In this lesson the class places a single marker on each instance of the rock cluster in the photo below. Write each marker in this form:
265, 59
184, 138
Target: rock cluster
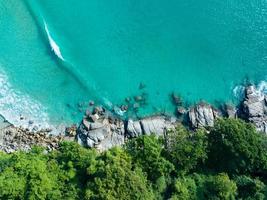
103, 131
100, 131
254, 108
14, 139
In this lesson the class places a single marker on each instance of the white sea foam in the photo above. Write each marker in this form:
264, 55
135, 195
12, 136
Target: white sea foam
52, 43
239, 90
19, 109
262, 87
110, 106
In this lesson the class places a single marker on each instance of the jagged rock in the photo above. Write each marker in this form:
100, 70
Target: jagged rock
255, 107
102, 134
86, 124
156, 125
115, 140
134, 128
202, 115
254, 103
96, 125
98, 135
230, 111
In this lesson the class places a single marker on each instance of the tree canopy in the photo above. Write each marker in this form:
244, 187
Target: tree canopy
227, 162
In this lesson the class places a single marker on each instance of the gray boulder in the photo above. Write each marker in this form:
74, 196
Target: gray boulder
151, 125
255, 107
134, 128
254, 103
202, 115
156, 125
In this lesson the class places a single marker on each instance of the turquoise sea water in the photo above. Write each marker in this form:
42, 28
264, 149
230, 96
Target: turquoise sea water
57, 55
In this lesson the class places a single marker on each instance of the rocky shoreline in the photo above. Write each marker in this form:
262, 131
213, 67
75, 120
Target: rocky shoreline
102, 130
14, 138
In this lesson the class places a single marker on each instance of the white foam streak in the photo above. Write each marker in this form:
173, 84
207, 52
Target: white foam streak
52, 43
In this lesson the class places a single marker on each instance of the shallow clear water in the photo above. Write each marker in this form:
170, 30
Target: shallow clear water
104, 49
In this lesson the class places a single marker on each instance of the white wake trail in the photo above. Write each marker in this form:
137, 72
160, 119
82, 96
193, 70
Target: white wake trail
53, 44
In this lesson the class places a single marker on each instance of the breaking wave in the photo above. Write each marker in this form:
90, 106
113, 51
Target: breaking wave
20, 109
52, 43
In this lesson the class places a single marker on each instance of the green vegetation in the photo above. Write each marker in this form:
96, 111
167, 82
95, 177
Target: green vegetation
228, 162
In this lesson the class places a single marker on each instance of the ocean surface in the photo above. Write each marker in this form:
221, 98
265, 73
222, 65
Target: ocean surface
56, 56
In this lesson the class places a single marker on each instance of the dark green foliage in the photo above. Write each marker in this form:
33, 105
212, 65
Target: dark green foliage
184, 188
115, 179
227, 163
249, 188
28, 176
236, 147
220, 187
186, 150
146, 152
